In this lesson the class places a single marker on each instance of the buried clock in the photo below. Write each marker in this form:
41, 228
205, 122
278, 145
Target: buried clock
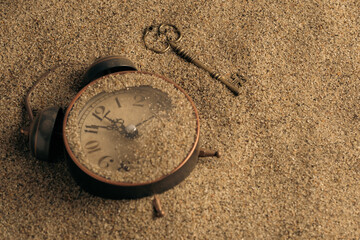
131, 134
127, 134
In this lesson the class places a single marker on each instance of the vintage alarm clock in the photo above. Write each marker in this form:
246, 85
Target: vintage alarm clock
127, 133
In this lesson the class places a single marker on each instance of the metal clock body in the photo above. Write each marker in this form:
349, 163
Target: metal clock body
131, 134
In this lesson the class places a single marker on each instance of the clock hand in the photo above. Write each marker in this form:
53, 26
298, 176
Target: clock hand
99, 126
131, 129
140, 123
121, 122
116, 122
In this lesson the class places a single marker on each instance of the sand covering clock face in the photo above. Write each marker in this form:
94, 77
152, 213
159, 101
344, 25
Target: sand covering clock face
131, 127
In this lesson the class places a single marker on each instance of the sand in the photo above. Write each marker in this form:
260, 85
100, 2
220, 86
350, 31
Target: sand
290, 164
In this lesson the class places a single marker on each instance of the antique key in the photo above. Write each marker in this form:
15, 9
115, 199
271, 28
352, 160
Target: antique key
169, 39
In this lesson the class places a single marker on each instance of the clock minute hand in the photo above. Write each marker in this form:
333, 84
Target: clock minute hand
131, 129
140, 123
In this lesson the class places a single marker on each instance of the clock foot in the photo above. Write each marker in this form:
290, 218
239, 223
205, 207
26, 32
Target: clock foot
208, 153
157, 207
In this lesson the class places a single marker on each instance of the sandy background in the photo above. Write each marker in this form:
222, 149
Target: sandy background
290, 165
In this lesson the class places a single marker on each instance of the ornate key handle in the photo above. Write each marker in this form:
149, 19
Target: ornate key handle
167, 36
158, 38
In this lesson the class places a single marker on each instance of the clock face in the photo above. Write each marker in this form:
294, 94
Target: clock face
110, 125
131, 128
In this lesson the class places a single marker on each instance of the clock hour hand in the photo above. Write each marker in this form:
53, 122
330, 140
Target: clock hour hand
117, 124
130, 130
99, 126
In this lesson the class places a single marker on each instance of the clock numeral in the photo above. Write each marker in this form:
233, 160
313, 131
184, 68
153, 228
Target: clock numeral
91, 129
139, 100
105, 161
118, 102
92, 146
99, 113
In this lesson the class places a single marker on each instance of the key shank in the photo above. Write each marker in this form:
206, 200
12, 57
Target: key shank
184, 54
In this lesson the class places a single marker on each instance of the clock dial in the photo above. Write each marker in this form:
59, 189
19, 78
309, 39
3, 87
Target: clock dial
111, 124
133, 128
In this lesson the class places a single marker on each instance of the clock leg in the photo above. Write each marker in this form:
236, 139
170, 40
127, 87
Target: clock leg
157, 207
208, 153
